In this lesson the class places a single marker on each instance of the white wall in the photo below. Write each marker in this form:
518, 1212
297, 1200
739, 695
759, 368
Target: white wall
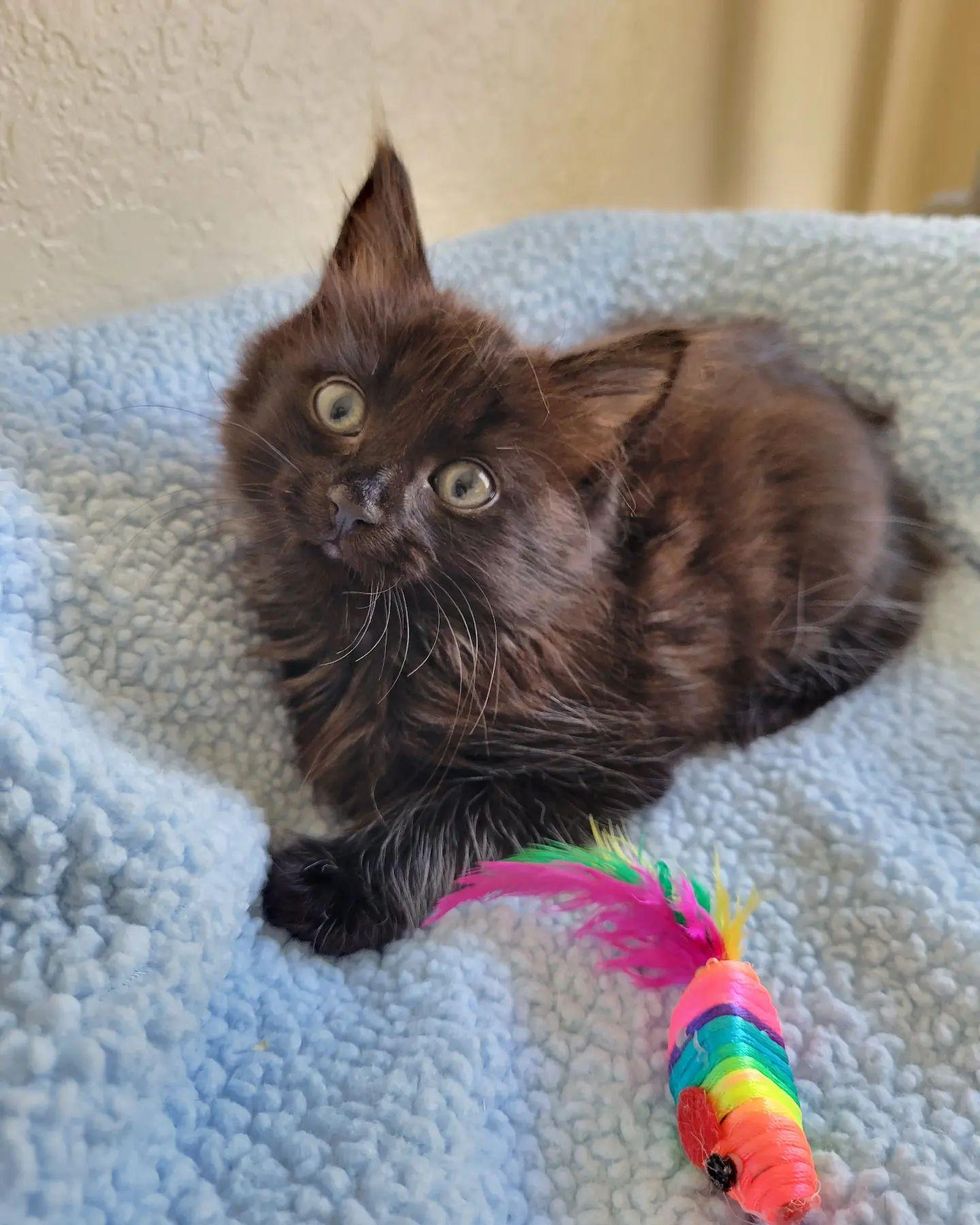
158, 148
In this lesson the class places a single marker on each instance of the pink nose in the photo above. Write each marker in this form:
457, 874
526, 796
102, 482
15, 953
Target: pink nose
348, 513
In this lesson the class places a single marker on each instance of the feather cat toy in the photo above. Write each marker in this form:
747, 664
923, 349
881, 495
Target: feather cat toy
738, 1113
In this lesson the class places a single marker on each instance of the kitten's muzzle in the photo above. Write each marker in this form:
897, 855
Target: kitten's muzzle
347, 514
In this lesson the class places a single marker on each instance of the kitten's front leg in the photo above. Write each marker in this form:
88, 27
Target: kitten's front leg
364, 888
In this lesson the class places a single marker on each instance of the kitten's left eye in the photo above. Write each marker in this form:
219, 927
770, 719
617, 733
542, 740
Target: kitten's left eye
339, 406
464, 485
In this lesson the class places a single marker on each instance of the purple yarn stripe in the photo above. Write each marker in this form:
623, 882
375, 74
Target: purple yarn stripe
720, 1010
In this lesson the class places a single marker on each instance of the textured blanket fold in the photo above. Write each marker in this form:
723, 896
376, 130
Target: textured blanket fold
166, 1058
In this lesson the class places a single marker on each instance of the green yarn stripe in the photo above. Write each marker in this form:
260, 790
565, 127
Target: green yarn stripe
729, 1044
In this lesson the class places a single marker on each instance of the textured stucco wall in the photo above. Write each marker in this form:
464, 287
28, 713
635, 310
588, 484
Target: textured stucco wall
153, 149
161, 148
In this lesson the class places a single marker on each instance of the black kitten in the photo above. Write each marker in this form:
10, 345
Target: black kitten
508, 588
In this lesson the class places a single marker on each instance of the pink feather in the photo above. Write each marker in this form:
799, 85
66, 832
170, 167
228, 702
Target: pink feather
652, 944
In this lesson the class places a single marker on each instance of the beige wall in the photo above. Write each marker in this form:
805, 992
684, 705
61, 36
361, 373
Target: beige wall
160, 148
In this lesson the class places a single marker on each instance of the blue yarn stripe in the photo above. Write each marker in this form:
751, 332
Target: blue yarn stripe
726, 1037
721, 1010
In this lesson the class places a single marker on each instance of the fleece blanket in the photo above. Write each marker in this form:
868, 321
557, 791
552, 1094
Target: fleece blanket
165, 1057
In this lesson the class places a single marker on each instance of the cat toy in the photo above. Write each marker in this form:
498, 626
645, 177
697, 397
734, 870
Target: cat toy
738, 1112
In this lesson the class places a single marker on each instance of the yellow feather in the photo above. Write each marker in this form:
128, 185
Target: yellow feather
614, 844
731, 919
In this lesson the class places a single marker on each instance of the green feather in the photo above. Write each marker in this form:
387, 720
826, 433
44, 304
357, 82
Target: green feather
613, 863
596, 857
702, 894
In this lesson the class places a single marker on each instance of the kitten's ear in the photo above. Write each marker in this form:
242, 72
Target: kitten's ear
606, 385
380, 239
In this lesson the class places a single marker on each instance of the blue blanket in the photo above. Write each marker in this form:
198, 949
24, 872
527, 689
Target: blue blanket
165, 1057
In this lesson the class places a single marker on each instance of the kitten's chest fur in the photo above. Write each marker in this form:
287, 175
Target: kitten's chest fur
397, 692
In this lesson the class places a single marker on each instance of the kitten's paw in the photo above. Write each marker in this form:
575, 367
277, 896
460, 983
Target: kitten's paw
319, 895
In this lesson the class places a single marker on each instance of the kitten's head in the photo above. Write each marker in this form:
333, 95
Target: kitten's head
392, 432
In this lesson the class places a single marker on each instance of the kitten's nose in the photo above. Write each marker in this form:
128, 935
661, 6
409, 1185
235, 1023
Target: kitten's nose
349, 513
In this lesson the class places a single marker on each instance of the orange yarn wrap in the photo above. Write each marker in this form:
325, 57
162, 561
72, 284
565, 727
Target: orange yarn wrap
725, 1044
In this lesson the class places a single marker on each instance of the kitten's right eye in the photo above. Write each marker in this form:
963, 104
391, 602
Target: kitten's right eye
339, 406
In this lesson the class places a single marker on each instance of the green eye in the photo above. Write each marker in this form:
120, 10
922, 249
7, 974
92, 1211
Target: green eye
339, 406
464, 485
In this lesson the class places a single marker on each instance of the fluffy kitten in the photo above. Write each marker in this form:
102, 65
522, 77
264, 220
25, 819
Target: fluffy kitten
507, 588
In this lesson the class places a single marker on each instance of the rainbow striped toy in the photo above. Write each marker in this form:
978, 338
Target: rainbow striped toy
738, 1113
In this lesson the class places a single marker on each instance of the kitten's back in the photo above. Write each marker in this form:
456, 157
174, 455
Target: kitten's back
788, 558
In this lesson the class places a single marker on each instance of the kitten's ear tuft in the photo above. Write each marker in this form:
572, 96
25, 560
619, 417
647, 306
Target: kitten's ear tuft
602, 387
380, 239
